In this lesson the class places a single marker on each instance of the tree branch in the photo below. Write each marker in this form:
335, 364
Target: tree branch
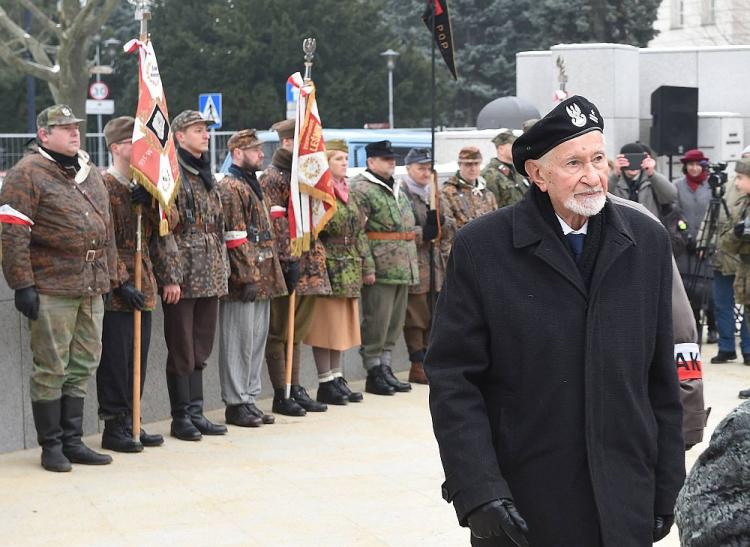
48, 74
42, 17
96, 21
35, 47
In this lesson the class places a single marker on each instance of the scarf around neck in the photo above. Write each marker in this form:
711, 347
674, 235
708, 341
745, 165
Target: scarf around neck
68, 162
200, 164
249, 177
341, 188
695, 182
282, 159
422, 192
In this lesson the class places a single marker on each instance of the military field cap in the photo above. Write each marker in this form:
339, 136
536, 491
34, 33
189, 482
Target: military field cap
380, 149
284, 128
418, 155
119, 129
528, 124
57, 114
743, 166
571, 118
505, 136
186, 118
469, 154
246, 138
337, 145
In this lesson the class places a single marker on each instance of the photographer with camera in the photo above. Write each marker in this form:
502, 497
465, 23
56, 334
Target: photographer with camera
635, 178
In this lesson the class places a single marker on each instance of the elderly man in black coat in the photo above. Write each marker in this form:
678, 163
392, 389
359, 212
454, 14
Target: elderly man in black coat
553, 389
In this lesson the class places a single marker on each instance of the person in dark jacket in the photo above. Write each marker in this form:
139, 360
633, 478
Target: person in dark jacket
553, 389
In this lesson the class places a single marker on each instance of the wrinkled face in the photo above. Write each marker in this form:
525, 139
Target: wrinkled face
122, 150
338, 162
63, 139
419, 173
194, 138
574, 174
694, 168
469, 170
250, 159
384, 167
742, 182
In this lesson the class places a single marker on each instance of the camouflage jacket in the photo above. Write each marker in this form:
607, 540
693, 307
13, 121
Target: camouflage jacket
199, 233
347, 250
124, 219
249, 239
465, 202
275, 183
58, 232
505, 183
388, 209
738, 247
441, 250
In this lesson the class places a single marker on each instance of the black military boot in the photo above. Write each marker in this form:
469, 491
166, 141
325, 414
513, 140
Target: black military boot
203, 424
376, 382
240, 415
300, 396
330, 394
179, 399
287, 407
398, 385
265, 418
343, 387
724, 357
117, 436
71, 420
49, 435
147, 439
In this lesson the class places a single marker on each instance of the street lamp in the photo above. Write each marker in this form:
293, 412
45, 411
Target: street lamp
390, 57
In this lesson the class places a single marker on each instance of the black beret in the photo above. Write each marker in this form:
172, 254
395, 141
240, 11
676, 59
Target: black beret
380, 149
570, 119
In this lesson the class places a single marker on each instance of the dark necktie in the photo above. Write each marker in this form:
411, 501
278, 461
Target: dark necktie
575, 242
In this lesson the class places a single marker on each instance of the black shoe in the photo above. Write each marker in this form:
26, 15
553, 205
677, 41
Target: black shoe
287, 407
398, 385
343, 387
745, 394
71, 420
49, 435
330, 394
241, 416
712, 337
179, 398
150, 440
117, 436
376, 382
724, 357
202, 424
299, 394
746, 358
265, 418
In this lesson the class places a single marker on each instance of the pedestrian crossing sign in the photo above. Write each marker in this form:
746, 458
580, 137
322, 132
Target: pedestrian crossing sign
209, 105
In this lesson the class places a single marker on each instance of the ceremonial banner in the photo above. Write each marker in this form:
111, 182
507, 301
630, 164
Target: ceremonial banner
443, 34
154, 159
312, 201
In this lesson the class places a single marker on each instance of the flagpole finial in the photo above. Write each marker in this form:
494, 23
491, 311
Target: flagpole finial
308, 46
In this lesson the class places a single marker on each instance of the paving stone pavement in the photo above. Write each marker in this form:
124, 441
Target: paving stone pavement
363, 475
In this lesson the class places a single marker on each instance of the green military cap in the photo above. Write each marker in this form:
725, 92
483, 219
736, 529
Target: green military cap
186, 118
505, 136
57, 114
337, 145
743, 166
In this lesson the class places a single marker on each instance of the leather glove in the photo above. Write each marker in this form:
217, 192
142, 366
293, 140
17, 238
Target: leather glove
739, 228
291, 275
139, 195
132, 296
248, 292
27, 302
499, 518
430, 228
662, 525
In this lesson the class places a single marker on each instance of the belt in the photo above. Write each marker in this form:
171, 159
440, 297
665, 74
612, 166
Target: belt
339, 240
400, 236
256, 236
199, 227
93, 254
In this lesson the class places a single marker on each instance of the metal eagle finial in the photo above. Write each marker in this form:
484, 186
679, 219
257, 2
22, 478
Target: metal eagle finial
308, 46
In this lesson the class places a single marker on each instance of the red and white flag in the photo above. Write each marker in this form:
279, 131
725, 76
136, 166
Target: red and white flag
154, 160
312, 201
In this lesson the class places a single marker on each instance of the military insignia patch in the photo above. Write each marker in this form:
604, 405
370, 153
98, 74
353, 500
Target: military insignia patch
593, 117
66, 111
577, 117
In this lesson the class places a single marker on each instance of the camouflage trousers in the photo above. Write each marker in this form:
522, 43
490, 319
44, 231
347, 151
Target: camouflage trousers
383, 313
66, 344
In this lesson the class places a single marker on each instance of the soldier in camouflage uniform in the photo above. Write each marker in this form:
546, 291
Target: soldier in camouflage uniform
416, 186
255, 278
60, 258
306, 274
502, 179
191, 308
392, 232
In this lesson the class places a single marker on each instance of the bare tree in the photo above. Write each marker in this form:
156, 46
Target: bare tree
58, 51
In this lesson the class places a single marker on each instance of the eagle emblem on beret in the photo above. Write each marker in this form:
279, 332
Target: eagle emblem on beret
577, 117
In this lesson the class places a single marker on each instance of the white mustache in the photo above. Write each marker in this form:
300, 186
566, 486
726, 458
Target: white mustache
592, 192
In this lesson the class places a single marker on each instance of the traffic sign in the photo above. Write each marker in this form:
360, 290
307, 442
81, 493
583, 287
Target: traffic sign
292, 96
98, 91
209, 105
106, 106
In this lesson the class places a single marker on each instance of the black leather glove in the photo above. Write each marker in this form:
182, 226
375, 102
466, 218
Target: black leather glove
739, 228
662, 525
132, 296
499, 518
140, 195
430, 228
248, 292
27, 302
291, 275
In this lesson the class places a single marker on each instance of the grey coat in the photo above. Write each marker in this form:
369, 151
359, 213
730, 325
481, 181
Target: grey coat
653, 191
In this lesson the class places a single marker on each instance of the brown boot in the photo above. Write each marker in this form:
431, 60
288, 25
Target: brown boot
416, 374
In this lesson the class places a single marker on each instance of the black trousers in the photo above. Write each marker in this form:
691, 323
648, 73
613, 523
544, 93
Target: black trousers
189, 330
114, 377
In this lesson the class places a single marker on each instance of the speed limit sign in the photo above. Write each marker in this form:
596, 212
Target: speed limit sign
98, 91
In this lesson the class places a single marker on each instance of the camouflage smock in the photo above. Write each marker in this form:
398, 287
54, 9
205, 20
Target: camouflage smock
464, 202
57, 232
507, 185
388, 209
732, 245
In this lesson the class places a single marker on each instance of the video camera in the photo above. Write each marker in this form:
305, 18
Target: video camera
717, 177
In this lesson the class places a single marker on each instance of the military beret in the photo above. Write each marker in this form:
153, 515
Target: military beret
186, 118
418, 155
380, 149
743, 166
57, 114
571, 118
469, 154
505, 136
118, 130
284, 128
246, 138
337, 145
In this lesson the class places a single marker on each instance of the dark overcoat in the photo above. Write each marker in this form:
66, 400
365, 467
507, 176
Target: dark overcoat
561, 396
